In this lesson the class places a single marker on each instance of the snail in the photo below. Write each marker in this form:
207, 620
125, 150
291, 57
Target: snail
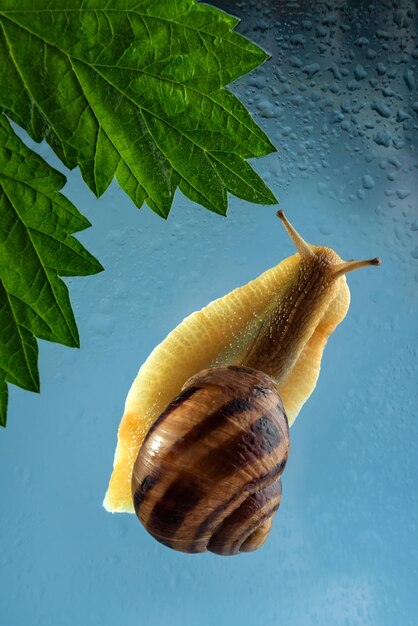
204, 437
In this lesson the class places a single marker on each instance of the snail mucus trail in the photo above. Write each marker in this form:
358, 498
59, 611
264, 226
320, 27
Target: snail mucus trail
206, 474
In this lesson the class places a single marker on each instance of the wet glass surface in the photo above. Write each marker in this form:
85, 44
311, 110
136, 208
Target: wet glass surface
339, 99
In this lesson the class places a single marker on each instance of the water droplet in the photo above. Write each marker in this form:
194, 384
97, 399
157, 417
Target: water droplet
381, 108
388, 92
297, 39
321, 31
409, 79
353, 85
297, 100
335, 71
402, 193
383, 34
361, 42
101, 324
398, 144
382, 138
311, 69
325, 229
368, 182
295, 61
266, 109
118, 237
359, 72
401, 115
337, 116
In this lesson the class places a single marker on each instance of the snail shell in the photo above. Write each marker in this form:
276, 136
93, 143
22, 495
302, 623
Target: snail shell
207, 476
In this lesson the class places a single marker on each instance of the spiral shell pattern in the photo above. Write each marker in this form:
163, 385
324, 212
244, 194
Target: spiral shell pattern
207, 476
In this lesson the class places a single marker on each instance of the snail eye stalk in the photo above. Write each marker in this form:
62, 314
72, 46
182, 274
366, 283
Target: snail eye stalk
351, 266
302, 246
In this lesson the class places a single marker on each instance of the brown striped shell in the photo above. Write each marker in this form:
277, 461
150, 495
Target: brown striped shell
207, 476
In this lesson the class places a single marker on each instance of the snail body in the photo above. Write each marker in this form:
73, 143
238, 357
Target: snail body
277, 325
208, 473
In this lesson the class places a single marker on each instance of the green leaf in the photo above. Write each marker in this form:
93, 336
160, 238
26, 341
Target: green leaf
134, 89
36, 247
3, 403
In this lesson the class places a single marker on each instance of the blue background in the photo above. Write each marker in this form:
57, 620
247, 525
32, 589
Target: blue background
343, 549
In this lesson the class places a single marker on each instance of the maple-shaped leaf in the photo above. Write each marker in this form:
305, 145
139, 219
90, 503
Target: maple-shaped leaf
36, 248
135, 89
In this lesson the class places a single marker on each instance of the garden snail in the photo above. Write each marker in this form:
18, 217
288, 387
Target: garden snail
202, 471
